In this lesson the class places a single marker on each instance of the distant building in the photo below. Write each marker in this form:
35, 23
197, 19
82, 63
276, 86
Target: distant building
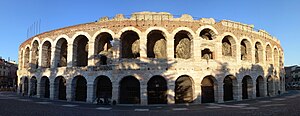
292, 76
8, 74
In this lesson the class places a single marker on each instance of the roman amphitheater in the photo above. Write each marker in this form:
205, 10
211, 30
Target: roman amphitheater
152, 58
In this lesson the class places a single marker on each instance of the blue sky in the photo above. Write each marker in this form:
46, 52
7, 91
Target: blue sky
281, 18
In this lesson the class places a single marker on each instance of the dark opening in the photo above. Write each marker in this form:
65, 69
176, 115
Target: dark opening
157, 90
228, 88
226, 46
156, 45
63, 52
245, 88
206, 54
206, 34
130, 44
183, 90
45, 86
80, 89
129, 90
33, 86
26, 85
207, 90
182, 48
103, 60
103, 87
62, 88
81, 43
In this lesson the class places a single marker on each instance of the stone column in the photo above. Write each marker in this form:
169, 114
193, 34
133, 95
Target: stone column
143, 46
115, 92
238, 90
171, 93
69, 90
91, 53
220, 92
52, 88
197, 93
197, 49
52, 60
253, 92
40, 92
29, 87
143, 94
170, 46
70, 56
90, 90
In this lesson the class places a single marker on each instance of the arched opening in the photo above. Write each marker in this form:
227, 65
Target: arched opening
103, 88
61, 52
103, 48
246, 50
258, 52
206, 54
26, 58
183, 45
270, 86
130, 43
33, 86
45, 87
157, 90
207, 34
129, 90
228, 46
35, 55
26, 85
183, 90
247, 87
46, 54
276, 57
230, 88
80, 88
260, 86
60, 88
208, 89
269, 55
156, 45
80, 49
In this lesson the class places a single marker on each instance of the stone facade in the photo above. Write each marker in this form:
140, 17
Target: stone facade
152, 58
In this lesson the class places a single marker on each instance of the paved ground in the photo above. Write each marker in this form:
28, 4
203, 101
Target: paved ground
13, 105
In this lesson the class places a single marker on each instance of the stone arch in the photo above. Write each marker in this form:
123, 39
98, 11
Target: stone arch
207, 54
270, 86
129, 90
260, 88
46, 54
103, 88
35, 54
247, 87
258, 52
209, 92
60, 87
33, 86
269, 54
156, 44
183, 44
184, 89
246, 50
103, 48
45, 87
157, 90
61, 52
130, 44
228, 46
80, 88
276, 57
207, 32
230, 88
80, 51
26, 57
